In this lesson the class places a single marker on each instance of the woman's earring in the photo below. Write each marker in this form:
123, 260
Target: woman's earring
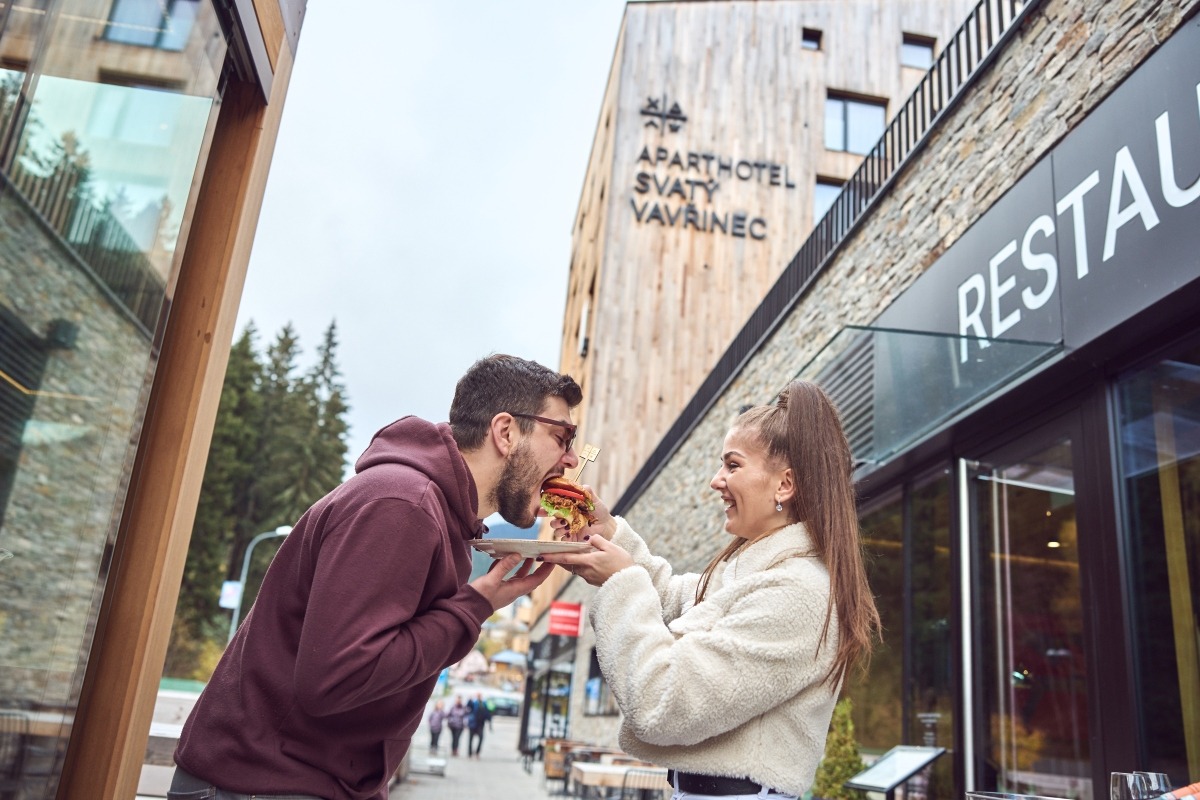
778, 506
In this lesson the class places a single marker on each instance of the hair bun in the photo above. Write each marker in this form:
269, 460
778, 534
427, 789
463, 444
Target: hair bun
781, 402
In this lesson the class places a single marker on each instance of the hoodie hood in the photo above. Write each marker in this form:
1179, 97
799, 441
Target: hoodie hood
431, 450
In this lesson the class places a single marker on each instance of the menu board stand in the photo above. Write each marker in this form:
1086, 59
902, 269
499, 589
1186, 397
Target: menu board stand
894, 768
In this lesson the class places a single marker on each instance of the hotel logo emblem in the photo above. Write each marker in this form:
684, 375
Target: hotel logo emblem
661, 117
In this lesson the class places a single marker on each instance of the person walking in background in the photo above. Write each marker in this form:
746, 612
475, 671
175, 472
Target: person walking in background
436, 717
456, 720
782, 613
478, 715
370, 596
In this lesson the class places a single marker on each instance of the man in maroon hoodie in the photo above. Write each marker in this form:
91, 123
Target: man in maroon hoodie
326, 680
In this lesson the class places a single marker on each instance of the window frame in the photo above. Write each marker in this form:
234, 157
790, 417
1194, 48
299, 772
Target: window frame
917, 40
846, 100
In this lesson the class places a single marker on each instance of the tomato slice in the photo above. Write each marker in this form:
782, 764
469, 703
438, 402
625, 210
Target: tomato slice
564, 493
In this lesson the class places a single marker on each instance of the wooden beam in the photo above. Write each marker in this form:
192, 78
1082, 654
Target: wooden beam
108, 740
270, 21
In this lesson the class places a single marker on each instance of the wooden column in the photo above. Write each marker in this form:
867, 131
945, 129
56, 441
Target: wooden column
108, 740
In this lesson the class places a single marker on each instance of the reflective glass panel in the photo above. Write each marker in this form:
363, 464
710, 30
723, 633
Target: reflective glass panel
1160, 469
104, 142
931, 687
823, 197
916, 53
868, 374
876, 695
864, 125
1032, 666
835, 123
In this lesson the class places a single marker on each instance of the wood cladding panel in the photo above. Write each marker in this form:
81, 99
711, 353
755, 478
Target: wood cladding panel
270, 20
672, 289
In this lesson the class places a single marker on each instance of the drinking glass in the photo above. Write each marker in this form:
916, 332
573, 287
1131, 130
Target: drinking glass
1156, 782
1129, 786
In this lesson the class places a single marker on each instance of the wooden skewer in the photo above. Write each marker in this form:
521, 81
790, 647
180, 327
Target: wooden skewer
589, 453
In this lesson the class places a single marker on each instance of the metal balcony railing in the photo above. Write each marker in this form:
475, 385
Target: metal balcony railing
972, 48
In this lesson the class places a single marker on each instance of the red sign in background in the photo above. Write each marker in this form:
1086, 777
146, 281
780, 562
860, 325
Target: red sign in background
565, 618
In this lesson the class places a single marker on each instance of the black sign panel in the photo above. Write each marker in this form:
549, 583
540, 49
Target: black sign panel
1000, 279
1129, 175
1127, 178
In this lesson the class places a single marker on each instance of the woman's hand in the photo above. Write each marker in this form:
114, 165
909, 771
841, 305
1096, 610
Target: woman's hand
604, 524
595, 567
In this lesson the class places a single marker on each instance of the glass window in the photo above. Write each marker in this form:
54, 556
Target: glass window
598, 697
876, 695
908, 695
548, 687
916, 51
810, 39
853, 126
824, 194
164, 24
1032, 665
1159, 415
930, 692
98, 182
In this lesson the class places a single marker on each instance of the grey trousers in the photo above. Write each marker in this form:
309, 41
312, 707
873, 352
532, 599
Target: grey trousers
186, 786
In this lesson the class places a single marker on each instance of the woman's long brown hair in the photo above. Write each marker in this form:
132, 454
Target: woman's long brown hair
803, 431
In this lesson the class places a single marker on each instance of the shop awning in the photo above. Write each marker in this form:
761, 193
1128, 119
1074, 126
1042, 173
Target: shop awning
895, 388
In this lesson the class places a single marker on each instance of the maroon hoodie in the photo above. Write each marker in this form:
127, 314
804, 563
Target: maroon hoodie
365, 603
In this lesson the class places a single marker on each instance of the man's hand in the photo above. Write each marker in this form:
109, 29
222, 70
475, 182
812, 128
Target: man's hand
501, 592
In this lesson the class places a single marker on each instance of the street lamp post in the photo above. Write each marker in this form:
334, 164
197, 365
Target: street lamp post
282, 530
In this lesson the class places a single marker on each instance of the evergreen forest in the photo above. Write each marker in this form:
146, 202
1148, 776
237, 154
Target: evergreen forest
278, 445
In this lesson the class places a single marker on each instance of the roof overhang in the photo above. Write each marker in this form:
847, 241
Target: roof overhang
896, 388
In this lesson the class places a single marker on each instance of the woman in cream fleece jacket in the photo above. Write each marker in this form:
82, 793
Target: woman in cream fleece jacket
729, 677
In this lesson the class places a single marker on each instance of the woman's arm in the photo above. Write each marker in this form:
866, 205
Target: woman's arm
675, 592
759, 651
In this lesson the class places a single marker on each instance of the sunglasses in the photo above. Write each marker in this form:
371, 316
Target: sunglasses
568, 427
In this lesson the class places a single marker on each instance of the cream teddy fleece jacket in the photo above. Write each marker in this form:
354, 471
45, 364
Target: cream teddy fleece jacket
734, 686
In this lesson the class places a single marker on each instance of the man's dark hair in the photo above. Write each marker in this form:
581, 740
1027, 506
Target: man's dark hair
501, 383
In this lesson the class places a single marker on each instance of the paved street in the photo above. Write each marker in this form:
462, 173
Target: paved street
496, 775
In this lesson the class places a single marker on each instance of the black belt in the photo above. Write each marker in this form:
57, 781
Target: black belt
711, 784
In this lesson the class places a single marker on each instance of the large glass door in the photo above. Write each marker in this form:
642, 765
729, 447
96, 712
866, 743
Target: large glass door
1031, 674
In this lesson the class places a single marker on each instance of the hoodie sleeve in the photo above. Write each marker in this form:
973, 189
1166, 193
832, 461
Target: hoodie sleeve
365, 635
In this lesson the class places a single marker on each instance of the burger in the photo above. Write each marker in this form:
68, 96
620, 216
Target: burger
567, 500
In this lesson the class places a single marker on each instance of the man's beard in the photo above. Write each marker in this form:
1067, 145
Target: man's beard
518, 483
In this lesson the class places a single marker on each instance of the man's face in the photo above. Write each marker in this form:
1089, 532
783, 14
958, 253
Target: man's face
536, 456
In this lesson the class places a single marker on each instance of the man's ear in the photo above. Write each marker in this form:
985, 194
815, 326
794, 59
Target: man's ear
503, 433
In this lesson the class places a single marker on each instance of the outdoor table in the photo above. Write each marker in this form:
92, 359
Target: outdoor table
587, 776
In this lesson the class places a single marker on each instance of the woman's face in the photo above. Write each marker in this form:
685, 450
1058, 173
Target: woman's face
751, 483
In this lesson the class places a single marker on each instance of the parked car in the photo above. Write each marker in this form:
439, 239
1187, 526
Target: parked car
504, 706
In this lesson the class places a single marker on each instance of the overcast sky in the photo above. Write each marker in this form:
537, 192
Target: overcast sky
423, 189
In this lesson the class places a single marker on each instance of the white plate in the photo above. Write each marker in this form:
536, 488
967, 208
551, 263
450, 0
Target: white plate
527, 548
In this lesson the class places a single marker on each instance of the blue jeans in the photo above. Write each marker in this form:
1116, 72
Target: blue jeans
185, 786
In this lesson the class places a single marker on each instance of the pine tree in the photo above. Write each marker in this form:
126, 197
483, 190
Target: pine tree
842, 760
279, 444
200, 625
322, 464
